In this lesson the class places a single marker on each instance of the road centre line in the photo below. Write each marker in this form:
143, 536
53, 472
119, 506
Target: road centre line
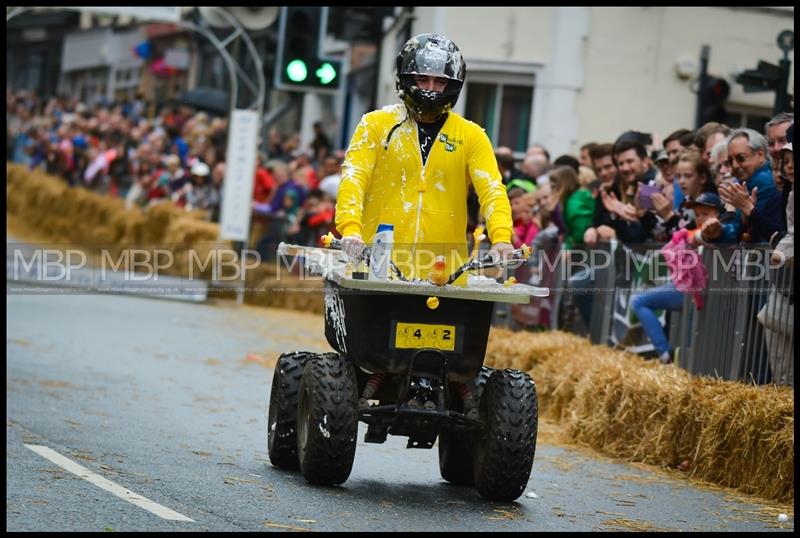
103, 483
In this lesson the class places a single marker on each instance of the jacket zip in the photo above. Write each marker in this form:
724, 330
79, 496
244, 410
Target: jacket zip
419, 200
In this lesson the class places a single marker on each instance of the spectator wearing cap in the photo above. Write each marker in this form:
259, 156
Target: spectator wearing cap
708, 226
661, 160
198, 189
756, 199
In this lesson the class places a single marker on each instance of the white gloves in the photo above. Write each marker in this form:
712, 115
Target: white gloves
352, 245
501, 251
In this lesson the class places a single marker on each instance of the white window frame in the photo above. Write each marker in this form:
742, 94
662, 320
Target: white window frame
745, 111
501, 74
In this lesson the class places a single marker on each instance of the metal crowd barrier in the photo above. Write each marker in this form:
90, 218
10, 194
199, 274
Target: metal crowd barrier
744, 332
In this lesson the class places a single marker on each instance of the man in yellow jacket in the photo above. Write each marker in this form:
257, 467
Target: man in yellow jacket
411, 165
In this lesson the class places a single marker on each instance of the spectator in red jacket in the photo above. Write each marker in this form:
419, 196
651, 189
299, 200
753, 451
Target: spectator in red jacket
264, 184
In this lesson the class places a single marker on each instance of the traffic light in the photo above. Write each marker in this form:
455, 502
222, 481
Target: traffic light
766, 77
770, 77
715, 95
299, 65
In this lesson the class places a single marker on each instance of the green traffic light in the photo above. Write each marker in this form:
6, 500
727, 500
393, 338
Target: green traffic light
297, 71
326, 73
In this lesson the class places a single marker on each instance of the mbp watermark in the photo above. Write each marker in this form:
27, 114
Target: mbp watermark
178, 268
160, 270
45, 264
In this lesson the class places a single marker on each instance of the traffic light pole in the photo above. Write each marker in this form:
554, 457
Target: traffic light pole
781, 93
701, 88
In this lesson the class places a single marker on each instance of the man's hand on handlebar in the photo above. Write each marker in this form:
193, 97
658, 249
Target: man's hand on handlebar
352, 245
501, 251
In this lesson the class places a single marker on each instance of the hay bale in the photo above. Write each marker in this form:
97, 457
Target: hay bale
733, 434
95, 222
284, 291
157, 219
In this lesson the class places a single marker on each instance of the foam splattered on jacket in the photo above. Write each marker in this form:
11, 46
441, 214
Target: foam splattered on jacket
384, 181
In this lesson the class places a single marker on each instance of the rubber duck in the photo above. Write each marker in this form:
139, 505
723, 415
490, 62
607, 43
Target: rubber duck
437, 276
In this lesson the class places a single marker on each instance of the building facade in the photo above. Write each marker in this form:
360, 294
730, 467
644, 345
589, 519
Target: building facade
565, 76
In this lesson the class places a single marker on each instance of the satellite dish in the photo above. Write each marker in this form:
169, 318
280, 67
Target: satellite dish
212, 17
256, 18
250, 17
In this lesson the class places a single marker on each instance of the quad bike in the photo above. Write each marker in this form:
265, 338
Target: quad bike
409, 362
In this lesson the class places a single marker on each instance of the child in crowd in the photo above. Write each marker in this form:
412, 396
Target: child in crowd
315, 218
686, 277
525, 228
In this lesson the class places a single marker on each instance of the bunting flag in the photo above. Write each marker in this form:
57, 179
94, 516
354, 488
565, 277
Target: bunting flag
160, 68
142, 50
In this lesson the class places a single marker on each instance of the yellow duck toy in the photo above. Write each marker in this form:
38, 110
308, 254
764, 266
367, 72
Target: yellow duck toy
438, 276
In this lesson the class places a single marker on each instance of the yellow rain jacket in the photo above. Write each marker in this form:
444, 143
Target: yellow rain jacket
387, 184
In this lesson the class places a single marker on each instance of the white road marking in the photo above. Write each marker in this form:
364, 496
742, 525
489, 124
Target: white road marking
108, 485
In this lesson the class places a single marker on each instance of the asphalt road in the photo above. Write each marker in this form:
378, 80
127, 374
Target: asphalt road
169, 400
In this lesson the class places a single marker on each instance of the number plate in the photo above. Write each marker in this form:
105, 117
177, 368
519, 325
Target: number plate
424, 335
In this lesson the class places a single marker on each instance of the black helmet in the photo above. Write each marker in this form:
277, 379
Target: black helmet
435, 55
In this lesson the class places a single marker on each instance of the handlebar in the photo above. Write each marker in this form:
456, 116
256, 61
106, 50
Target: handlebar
518, 255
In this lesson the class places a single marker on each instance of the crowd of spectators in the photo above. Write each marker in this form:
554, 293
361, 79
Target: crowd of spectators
717, 184
635, 188
175, 154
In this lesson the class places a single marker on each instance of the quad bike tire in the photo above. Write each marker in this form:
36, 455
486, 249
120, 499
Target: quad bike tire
456, 448
282, 413
327, 420
504, 450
